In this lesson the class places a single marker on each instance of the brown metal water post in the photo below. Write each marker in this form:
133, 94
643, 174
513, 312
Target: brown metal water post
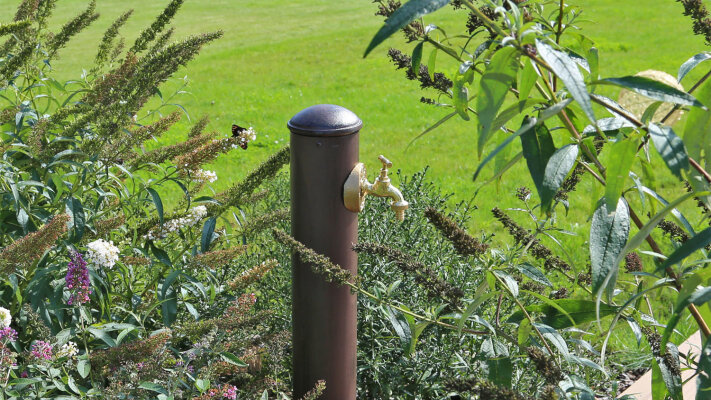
324, 150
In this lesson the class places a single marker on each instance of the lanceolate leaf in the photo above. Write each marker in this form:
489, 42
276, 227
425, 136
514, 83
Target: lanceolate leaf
655, 90
580, 311
704, 368
608, 235
558, 167
527, 125
691, 63
208, 230
698, 241
417, 58
609, 124
528, 79
537, 145
77, 218
514, 110
618, 168
698, 125
460, 95
495, 83
402, 16
669, 367
158, 203
642, 234
670, 147
567, 70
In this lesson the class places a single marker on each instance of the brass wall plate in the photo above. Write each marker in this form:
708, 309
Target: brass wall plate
353, 194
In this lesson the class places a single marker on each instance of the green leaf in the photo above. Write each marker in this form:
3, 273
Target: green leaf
670, 373
496, 81
233, 359
526, 125
161, 255
77, 218
534, 274
498, 362
698, 297
567, 70
642, 234
618, 167
83, 367
512, 111
698, 124
558, 167
103, 335
696, 242
401, 327
431, 63
670, 147
158, 203
460, 96
417, 58
154, 387
401, 17
202, 385
608, 124
691, 63
704, 370
537, 146
208, 231
527, 80
580, 311
608, 235
652, 89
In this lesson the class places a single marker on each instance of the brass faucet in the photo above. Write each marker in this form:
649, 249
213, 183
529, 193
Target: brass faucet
357, 188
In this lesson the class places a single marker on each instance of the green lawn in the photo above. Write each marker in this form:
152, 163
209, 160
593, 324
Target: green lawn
278, 57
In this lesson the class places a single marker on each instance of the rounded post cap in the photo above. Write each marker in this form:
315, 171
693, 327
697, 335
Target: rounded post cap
325, 120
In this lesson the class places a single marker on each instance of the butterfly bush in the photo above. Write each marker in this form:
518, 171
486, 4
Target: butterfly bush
150, 252
77, 280
202, 176
102, 253
41, 350
5, 317
194, 216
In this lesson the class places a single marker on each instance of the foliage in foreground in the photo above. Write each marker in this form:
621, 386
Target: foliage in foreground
105, 292
517, 82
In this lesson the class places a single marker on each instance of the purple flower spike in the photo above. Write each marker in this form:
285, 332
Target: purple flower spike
77, 280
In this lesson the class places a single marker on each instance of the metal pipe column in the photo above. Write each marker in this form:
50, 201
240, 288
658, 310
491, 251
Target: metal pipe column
324, 150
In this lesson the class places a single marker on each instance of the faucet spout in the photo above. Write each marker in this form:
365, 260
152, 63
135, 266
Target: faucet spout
383, 188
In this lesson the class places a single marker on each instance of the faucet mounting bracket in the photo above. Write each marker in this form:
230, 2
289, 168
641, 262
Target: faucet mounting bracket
353, 193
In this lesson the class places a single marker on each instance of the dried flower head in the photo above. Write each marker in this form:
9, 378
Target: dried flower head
523, 236
632, 262
252, 275
463, 243
545, 365
435, 286
523, 193
30, 248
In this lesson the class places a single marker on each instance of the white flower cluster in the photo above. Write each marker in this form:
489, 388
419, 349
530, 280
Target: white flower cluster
202, 176
102, 253
5, 318
68, 349
195, 215
246, 136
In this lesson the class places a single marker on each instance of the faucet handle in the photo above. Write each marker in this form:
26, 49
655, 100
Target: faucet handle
386, 163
